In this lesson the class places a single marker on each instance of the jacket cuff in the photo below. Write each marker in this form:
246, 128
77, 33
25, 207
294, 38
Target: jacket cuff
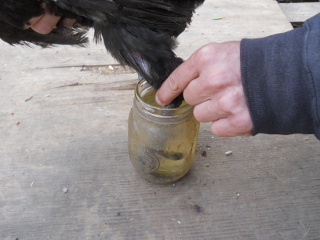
281, 80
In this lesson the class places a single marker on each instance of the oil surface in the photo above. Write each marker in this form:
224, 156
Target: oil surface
149, 97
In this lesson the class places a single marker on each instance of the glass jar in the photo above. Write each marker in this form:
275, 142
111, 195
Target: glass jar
162, 141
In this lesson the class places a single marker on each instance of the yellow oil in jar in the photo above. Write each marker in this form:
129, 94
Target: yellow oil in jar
162, 145
149, 98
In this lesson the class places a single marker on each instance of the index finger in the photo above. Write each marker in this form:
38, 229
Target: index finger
177, 82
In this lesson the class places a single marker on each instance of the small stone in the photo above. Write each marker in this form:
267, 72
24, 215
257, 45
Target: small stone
111, 68
27, 100
204, 153
197, 208
65, 190
228, 153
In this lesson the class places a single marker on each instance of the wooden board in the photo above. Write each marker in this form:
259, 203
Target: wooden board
300, 12
63, 123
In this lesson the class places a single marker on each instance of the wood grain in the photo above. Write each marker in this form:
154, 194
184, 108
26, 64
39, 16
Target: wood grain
72, 134
300, 12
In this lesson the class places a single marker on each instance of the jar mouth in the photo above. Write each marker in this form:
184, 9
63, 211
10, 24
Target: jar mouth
151, 107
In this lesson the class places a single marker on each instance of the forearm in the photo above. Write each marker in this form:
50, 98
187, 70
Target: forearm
281, 79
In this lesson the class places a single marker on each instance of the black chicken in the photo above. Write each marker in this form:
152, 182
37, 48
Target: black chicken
138, 33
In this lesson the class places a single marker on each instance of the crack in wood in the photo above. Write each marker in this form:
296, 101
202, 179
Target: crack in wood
102, 69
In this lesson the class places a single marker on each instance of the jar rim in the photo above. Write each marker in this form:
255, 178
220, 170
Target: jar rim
165, 115
145, 85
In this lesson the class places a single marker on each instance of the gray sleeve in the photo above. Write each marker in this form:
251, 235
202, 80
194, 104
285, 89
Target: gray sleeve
281, 80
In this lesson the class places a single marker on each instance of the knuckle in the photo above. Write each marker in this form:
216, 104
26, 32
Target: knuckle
242, 123
203, 55
189, 96
225, 104
214, 83
198, 114
217, 130
174, 83
233, 125
186, 97
237, 126
231, 101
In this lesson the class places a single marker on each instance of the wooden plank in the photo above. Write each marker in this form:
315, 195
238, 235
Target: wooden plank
300, 12
72, 133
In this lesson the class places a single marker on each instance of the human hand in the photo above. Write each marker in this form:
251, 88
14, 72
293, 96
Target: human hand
46, 22
211, 81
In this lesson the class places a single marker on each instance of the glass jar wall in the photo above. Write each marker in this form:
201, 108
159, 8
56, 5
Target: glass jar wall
162, 141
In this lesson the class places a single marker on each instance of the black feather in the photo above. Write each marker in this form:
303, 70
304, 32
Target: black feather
138, 33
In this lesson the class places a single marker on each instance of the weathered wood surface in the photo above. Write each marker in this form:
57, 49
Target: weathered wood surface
300, 12
65, 126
